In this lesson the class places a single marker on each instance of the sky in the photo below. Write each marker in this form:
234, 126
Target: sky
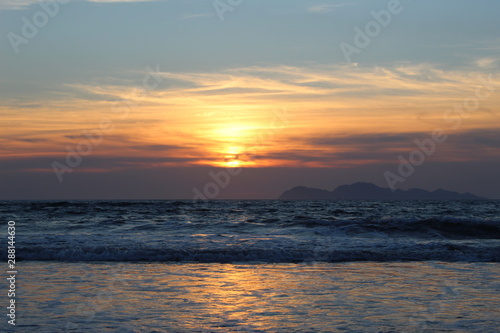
244, 99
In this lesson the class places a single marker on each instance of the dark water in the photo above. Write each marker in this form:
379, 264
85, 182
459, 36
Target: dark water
269, 231
255, 266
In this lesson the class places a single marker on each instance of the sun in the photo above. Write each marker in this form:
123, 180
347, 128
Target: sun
232, 145
232, 157
233, 164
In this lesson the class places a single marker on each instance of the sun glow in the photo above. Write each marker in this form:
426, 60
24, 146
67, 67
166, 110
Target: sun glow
232, 157
232, 139
233, 164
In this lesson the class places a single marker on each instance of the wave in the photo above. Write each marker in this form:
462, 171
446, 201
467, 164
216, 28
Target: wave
443, 228
266, 231
322, 252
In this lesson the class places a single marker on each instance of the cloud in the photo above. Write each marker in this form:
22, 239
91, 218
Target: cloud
342, 114
24, 4
467, 145
16, 4
193, 16
158, 147
24, 141
486, 62
348, 86
21, 105
110, 1
326, 8
365, 140
92, 163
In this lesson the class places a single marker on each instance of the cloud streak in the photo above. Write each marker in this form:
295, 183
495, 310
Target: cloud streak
341, 115
25, 4
193, 16
326, 8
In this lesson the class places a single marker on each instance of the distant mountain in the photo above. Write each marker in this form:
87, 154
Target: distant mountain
368, 191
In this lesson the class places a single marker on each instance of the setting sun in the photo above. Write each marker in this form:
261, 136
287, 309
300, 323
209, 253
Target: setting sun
233, 164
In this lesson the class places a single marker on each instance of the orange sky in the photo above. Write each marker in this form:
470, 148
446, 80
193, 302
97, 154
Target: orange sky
251, 116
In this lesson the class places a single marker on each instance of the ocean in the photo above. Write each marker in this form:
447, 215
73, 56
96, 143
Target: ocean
254, 266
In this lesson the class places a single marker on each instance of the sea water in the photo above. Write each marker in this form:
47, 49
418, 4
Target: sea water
255, 266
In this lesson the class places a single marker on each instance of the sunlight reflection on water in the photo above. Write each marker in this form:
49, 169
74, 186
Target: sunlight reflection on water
193, 297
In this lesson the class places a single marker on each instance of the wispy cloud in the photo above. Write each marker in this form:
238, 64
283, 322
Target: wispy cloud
110, 1
193, 16
24, 4
421, 90
487, 62
342, 114
325, 8
16, 4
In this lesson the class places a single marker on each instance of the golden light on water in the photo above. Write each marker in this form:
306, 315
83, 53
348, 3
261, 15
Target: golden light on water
184, 297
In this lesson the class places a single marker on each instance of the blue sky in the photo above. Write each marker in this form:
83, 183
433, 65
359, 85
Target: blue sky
88, 39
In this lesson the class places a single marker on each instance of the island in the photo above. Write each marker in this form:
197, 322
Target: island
369, 191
